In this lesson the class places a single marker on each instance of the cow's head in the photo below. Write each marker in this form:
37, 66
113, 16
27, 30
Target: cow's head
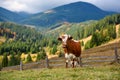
64, 38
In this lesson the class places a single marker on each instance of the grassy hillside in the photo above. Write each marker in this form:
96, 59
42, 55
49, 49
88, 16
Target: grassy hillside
85, 73
77, 30
106, 72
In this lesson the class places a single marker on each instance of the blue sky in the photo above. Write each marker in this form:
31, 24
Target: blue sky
34, 6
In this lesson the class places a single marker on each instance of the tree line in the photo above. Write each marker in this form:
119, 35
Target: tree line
15, 59
101, 31
104, 31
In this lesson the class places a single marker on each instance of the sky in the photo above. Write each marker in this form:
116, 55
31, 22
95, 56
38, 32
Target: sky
35, 6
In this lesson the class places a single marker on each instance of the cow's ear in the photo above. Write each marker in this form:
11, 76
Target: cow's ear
59, 39
70, 37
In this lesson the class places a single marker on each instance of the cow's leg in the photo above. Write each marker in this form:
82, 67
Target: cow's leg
76, 62
66, 63
73, 65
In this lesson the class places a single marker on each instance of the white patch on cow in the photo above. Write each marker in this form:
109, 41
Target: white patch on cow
67, 61
75, 40
65, 38
76, 63
70, 56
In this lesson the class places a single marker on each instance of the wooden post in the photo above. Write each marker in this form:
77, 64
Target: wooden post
47, 62
0, 67
21, 66
80, 62
116, 55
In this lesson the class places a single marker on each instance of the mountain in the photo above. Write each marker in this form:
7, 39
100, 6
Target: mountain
9, 16
24, 14
74, 13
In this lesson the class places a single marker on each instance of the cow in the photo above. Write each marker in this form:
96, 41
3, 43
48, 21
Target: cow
72, 49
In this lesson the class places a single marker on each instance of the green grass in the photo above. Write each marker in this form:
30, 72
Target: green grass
85, 73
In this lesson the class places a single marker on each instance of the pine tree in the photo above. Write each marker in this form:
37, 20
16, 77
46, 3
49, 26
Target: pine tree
96, 39
5, 60
41, 55
87, 45
18, 57
13, 60
38, 57
54, 49
82, 43
29, 59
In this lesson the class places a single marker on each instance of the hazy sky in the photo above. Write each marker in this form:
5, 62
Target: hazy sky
34, 6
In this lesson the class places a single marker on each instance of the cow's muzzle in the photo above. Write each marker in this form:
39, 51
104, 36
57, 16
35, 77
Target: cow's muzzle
64, 46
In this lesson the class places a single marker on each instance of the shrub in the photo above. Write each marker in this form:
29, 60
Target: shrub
18, 58
54, 49
87, 45
61, 54
82, 43
41, 55
12, 61
5, 60
28, 59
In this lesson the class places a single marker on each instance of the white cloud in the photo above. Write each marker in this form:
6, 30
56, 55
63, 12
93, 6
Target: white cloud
110, 5
34, 6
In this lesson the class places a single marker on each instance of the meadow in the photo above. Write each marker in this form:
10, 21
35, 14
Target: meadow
109, 72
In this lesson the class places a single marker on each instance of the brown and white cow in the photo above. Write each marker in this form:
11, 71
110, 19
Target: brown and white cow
72, 49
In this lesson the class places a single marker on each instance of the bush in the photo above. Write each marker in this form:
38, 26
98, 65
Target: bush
61, 54
13, 60
29, 59
41, 55
82, 43
5, 60
18, 59
87, 45
54, 50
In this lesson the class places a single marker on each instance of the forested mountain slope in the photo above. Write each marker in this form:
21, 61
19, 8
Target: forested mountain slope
9, 16
101, 31
72, 13
26, 39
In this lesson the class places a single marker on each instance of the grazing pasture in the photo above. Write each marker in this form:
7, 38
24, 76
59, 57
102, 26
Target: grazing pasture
91, 57
111, 72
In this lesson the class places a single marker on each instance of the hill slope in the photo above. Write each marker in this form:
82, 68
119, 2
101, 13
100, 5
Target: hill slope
74, 12
9, 16
24, 38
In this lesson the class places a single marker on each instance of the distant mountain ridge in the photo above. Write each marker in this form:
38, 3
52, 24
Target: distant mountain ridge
73, 13
9, 16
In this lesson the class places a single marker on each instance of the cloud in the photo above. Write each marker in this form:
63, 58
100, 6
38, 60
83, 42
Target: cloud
33, 6
109, 5
12, 5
